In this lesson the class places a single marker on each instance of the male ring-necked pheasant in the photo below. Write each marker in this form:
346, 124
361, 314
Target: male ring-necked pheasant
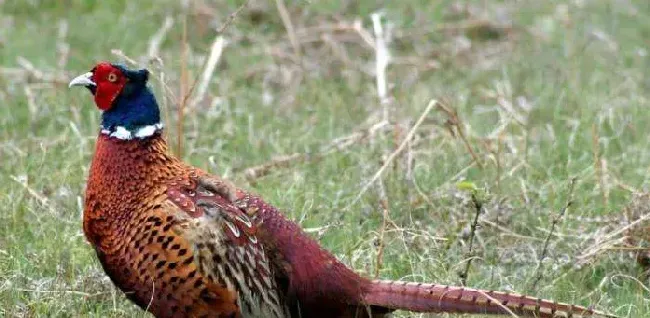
183, 243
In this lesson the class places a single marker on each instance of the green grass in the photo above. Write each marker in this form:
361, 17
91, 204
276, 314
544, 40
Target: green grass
579, 66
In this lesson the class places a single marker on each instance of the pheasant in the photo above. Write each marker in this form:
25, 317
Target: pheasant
180, 242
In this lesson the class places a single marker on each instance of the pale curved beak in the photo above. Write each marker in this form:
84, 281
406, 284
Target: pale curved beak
82, 80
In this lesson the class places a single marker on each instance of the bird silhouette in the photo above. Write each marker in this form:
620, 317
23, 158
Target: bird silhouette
180, 242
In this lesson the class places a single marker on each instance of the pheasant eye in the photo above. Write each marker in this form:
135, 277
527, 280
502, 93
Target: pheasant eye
112, 77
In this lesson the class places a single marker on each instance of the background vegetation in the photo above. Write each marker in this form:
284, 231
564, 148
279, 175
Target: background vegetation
534, 94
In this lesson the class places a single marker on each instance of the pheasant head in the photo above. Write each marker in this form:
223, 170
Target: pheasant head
129, 107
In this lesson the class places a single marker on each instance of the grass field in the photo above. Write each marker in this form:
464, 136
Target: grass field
544, 91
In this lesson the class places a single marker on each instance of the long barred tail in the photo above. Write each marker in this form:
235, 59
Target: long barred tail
441, 298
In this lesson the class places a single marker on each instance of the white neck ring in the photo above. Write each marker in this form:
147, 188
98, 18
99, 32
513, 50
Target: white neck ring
120, 132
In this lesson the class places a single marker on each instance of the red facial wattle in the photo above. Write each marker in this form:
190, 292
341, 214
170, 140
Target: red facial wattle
110, 81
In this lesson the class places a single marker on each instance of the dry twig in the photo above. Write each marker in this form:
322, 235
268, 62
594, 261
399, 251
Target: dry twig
288, 25
160, 77
45, 202
599, 165
335, 145
33, 74
383, 202
231, 18
382, 59
62, 47
73, 292
215, 55
156, 40
183, 90
478, 207
395, 153
455, 121
556, 220
496, 301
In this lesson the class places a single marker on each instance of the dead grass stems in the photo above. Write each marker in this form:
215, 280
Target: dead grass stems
600, 165
288, 25
183, 89
336, 145
477, 203
186, 89
454, 121
395, 153
383, 203
539, 272
231, 18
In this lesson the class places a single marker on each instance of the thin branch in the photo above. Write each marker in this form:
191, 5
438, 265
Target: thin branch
183, 90
554, 223
158, 37
153, 290
259, 171
399, 150
338, 50
382, 230
163, 87
34, 73
498, 161
604, 241
123, 56
215, 55
367, 38
62, 46
478, 207
231, 18
455, 121
641, 284
335, 145
35, 194
160, 77
288, 25
462, 26
500, 304
599, 165
382, 58
74, 292
31, 100
209, 65
28, 66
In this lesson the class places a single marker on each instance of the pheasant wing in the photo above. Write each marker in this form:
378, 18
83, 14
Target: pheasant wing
225, 246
